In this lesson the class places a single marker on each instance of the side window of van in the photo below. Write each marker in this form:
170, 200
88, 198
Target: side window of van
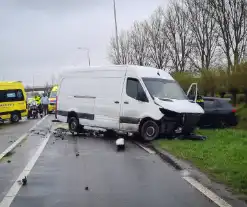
11, 95
134, 90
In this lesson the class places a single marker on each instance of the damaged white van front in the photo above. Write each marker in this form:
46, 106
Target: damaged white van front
179, 114
126, 98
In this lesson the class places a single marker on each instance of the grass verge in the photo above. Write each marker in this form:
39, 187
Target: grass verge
223, 156
242, 116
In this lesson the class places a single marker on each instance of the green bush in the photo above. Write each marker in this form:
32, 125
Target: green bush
217, 82
185, 79
240, 98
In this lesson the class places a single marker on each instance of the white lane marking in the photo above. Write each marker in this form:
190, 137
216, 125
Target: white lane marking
38, 123
208, 193
19, 140
145, 148
9, 197
11, 147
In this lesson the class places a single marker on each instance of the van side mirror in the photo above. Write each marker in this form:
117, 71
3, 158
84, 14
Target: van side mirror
141, 96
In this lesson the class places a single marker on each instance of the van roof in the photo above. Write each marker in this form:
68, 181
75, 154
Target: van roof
142, 71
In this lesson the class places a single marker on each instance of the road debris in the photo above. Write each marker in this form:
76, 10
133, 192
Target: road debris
192, 137
87, 188
9, 161
120, 144
24, 180
60, 132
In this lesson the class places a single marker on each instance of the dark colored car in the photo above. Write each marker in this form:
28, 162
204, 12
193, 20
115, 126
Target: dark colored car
219, 113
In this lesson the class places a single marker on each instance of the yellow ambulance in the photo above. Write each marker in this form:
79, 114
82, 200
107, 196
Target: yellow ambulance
13, 103
52, 99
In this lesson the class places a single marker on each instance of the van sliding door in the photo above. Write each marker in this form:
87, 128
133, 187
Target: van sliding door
108, 101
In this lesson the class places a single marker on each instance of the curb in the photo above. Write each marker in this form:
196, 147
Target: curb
191, 172
167, 158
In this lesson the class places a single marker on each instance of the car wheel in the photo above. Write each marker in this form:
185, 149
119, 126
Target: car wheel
149, 130
73, 125
223, 124
15, 117
110, 134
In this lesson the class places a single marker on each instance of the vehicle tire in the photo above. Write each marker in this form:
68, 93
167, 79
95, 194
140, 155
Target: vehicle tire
15, 117
222, 124
149, 130
74, 125
110, 134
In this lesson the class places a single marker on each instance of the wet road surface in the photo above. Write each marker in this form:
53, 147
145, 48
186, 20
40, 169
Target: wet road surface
13, 164
10, 132
99, 176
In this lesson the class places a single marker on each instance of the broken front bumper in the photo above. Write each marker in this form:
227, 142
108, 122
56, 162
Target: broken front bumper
179, 123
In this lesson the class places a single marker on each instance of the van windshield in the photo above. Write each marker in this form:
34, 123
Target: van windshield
164, 89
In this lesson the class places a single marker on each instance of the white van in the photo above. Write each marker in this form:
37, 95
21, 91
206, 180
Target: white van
126, 98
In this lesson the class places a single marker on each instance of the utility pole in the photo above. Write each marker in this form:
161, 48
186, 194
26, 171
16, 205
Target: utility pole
33, 84
116, 30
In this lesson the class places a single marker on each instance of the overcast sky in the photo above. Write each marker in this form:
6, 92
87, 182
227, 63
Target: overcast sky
41, 37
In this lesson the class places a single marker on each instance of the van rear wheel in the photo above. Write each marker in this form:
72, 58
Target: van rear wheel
149, 130
15, 117
73, 125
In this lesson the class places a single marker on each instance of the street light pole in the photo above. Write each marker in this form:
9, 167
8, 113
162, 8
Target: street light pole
88, 54
33, 84
116, 29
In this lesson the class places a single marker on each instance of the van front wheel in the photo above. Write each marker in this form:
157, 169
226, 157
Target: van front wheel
73, 125
149, 130
15, 117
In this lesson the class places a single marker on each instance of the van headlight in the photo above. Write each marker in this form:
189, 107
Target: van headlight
162, 110
168, 113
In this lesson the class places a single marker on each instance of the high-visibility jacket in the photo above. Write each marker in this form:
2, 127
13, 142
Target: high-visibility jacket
200, 101
38, 100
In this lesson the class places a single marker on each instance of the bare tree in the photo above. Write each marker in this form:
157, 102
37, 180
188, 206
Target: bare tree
46, 87
204, 31
124, 49
179, 36
157, 42
139, 44
231, 16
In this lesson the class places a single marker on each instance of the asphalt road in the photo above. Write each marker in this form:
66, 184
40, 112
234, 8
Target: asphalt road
13, 164
10, 132
99, 176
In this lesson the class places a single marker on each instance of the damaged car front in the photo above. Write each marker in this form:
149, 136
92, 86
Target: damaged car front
180, 115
